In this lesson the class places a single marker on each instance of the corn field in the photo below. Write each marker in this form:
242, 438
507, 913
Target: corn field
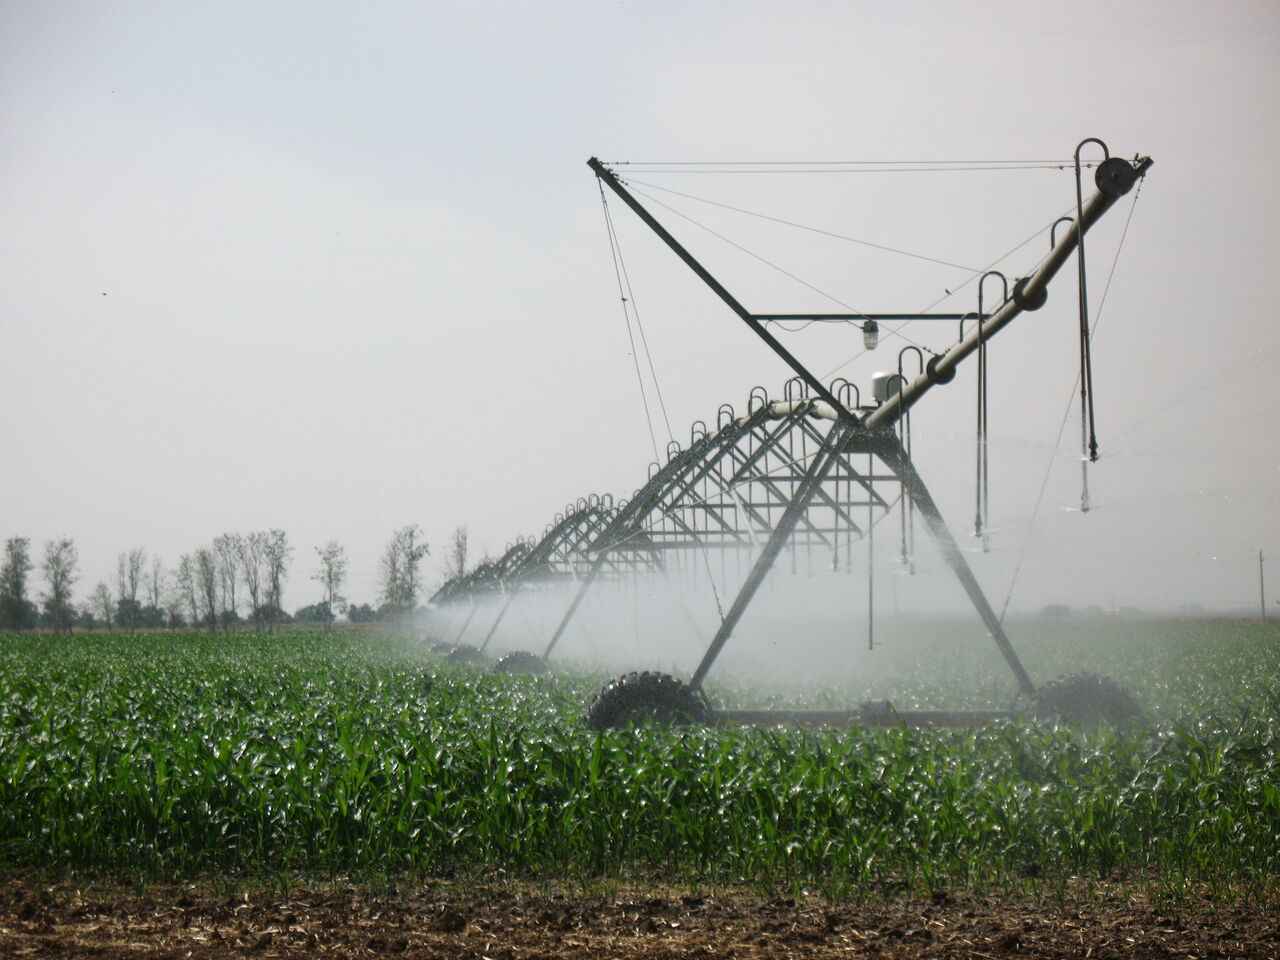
362, 755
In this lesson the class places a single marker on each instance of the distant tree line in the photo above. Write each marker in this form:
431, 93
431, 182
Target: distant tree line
234, 582
60, 567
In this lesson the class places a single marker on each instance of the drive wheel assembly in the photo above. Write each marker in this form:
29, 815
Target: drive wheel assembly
464, 654
1085, 698
520, 661
641, 697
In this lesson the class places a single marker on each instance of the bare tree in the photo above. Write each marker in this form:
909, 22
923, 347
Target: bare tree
128, 581
186, 589
330, 576
401, 576
156, 585
206, 580
253, 550
175, 598
389, 571
103, 604
121, 581
227, 551
276, 554
456, 562
16, 611
61, 560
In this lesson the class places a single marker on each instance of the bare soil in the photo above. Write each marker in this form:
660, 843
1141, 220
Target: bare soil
61, 920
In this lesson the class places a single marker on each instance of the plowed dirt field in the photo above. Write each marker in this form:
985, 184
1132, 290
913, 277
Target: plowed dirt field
63, 921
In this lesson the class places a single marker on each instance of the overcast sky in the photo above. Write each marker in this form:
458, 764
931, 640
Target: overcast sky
336, 268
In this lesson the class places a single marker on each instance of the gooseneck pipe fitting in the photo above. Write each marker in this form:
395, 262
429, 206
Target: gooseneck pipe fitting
1029, 293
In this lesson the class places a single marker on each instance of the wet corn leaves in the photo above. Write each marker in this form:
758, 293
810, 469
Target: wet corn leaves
177, 755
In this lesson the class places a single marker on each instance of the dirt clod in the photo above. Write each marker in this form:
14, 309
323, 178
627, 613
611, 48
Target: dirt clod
450, 921
1010, 942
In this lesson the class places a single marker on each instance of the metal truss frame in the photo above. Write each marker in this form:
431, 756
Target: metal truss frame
786, 474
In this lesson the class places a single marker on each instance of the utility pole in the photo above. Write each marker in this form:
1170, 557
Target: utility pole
1262, 589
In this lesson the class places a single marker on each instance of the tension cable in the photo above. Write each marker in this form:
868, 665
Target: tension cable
755, 256
838, 166
897, 331
624, 295
802, 226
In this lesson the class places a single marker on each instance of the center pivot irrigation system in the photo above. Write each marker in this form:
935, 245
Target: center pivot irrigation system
811, 472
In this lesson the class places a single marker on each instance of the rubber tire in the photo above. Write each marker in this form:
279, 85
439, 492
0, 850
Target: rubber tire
1084, 698
644, 697
442, 648
464, 654
520, 661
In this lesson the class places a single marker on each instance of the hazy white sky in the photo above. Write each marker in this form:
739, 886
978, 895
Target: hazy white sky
336, 268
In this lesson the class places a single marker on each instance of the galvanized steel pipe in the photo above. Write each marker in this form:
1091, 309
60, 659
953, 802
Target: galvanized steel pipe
1028, 294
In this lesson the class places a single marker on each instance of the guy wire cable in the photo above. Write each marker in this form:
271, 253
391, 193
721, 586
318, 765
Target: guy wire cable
839, 166
644, 341
801, 226
626, 315
896, 331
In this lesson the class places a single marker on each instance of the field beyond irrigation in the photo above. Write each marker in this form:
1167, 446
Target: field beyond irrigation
277, 762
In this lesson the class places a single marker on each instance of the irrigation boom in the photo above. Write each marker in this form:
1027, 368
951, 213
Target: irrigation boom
1114, 178
786, 474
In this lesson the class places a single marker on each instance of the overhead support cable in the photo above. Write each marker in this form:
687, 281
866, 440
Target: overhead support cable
948, 294
605, 174
838, 166
751, 253
768, 263
801, 226
644, 341
626, 315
